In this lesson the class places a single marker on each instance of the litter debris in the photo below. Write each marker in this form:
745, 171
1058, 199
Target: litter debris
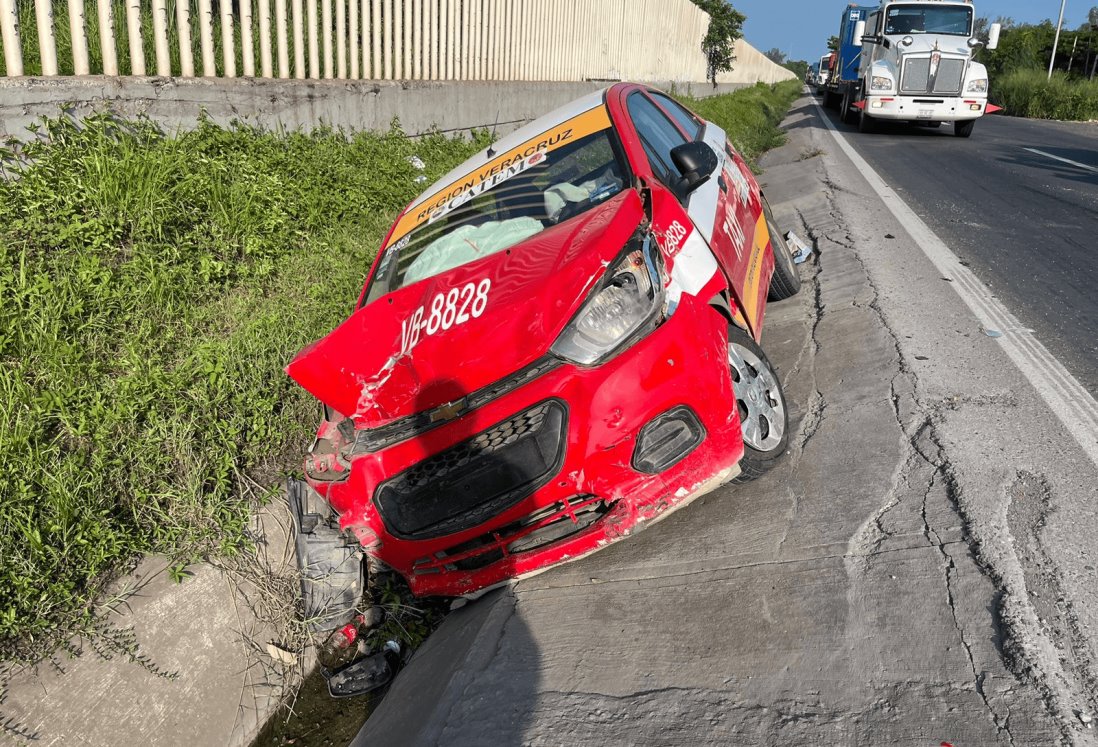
801, 251
417, 163
281, 655
993, 333
365, 675
889, 236
1085, 719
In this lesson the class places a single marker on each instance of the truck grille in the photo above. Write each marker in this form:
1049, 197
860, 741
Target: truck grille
468, 484
916, 76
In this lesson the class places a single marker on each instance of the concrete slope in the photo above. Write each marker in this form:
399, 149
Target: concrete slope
889, 583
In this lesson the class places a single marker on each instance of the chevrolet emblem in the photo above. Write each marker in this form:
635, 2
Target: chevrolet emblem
449, 411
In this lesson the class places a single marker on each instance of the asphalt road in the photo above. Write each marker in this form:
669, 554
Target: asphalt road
1026, 222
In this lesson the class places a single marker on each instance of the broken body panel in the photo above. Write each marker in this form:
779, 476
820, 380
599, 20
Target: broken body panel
469, 440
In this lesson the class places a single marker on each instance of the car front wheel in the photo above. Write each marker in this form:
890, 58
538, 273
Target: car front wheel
764, 417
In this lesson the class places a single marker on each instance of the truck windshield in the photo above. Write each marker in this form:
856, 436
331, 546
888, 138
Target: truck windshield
929, 19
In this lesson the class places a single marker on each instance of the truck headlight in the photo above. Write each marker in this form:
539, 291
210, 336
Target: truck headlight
628, 304
881, 83
977, 86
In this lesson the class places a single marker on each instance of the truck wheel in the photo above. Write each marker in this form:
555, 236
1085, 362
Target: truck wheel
846, 112
828, 99
964, 129
866, 123
786, 280
764, 417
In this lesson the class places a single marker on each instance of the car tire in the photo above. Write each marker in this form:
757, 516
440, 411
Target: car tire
786, 280
964, 128
760, 399
866, 124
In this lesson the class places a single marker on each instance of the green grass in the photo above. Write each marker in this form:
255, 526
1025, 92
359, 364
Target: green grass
750, 116
1029, 93
152, 288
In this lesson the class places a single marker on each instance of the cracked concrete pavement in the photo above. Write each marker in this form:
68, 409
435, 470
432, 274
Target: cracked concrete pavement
918, 570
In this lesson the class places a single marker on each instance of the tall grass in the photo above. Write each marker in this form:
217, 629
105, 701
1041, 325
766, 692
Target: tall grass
152, 288
750, 116
1029, 93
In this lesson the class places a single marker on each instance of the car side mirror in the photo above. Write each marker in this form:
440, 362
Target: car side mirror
696, 162
859, 33
993, 35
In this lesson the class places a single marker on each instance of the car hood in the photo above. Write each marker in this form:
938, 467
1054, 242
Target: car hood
366, 369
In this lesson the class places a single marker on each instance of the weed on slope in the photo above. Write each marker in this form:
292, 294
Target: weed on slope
151, 290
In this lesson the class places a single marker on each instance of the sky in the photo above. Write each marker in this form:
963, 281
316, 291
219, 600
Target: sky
770, 22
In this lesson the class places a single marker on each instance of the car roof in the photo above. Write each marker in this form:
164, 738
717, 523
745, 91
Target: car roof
526, 132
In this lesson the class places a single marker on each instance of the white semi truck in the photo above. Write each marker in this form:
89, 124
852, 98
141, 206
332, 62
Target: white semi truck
914, 63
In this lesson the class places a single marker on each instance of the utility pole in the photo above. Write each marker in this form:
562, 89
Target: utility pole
1071, 59
1055, 44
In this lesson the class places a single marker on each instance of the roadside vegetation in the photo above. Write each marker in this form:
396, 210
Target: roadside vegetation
750, 116
152, 287
1019, 70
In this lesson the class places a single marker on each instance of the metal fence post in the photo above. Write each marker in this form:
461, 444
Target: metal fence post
9, 29
78, 32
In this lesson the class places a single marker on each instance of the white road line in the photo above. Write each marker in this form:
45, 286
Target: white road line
1065, 160
1069, 400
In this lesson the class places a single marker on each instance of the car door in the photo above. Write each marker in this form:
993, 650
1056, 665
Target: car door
726, 210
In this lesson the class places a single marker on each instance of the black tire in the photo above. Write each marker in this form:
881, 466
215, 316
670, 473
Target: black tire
786, 280
764, 414
846, 112
829, 99
866, 124
964, 128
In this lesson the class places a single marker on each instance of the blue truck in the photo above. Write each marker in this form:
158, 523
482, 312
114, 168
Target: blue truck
846, 61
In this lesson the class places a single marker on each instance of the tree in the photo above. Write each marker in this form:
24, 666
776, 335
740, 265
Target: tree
799, 68
776, 56
725, 27
833, 44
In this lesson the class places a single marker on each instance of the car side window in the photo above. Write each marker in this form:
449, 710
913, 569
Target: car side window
687, 121
658, 135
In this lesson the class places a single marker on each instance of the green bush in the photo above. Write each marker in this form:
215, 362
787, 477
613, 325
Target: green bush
151, 290
1029, 93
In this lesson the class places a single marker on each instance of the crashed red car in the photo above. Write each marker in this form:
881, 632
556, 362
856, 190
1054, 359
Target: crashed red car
556, 346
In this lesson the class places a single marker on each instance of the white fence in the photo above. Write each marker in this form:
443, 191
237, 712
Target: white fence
499, 40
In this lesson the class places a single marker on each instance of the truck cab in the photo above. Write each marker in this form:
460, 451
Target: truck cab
916, 65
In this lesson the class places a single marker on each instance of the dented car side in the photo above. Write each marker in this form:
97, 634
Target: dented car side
556, 346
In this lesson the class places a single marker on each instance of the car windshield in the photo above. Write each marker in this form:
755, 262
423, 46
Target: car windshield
927, 19
527, 195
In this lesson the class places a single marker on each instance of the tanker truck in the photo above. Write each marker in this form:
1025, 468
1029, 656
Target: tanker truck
911, 61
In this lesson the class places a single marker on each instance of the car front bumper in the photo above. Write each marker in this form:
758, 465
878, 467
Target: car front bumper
552, 470
927, 108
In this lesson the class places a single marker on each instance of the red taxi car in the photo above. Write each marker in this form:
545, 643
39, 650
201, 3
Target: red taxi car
556, 345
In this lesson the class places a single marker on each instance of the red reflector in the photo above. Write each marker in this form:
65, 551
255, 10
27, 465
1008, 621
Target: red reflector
991, 109
858, 105
971, 102
887, 100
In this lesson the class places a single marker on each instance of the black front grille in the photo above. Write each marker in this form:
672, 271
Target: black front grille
375, 439
469, 483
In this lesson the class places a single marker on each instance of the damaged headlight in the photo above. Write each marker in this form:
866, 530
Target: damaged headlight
978, 86
628, 304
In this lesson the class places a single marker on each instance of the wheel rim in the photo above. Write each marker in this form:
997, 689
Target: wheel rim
758, 397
